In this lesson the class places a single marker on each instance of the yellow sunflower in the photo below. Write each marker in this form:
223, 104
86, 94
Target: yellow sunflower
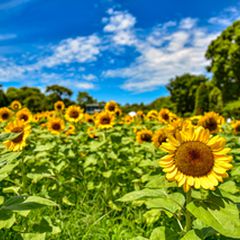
24, 115
104, 120
128, 119
59, 106
74, 114
91, 132
56, 125
144, 135
165, 115
70, 130
88, 118
194, 120
140, 114
111, 106
196, 159
152, 115
236, 127
5, 114
211, 121
15, 105
19, 142
159, 137
118, 112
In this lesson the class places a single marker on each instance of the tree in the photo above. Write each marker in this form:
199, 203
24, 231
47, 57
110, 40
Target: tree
224, 56
84, 98
183, 90
60, 91
215, 100
3, 98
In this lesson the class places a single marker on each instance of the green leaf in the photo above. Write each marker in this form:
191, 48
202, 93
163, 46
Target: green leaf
221, 215
33, 236
7, 219
158, 233
160, 182
145, 193
191, 235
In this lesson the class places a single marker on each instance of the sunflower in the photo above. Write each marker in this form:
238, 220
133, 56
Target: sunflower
56, 125
144, 136
140, 114
152, 115
159, 137
59, 106
196, 159
15, 105
91, 132
104, 120
5, 114
111, 106
128, 119
211, 121
74, 114
24, 115
70, 130
118, 112
236, 127
195, 119
165, 116
88, 118
23, 129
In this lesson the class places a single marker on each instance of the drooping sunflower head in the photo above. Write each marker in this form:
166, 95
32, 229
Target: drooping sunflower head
144, 135
22, 130
105, 120
236, 127
24, 115
5, 114
211, 121
152, 115
111, 106
74, 114
59, 106
159, 137
56, 125
196, 159
15, 105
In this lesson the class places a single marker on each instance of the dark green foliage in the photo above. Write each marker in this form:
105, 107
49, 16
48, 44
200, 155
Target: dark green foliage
215, 100
3, 98
183, 90
84, 98
224, 56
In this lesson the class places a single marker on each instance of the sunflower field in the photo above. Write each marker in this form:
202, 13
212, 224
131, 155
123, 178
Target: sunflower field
66, 174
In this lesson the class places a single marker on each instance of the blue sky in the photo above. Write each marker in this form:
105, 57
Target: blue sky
124, 50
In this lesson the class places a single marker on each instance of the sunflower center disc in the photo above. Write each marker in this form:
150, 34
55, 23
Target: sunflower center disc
74, 114
56, 126
211, 124
24, 117
5, 116
105, 120
194, 159
19, 138
146, 137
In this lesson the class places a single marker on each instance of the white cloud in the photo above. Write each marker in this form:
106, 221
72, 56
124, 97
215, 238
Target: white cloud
84, 85
89, 77
187, 23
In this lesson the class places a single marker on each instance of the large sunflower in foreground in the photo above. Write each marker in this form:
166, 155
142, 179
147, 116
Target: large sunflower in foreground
19, 142
59, 106
196, 159
144, 135
104, 120
56, 125
74, 114
16, 105
211, 121
5, 114
24, 115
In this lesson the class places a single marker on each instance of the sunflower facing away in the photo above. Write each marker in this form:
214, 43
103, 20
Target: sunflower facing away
56, 125
74, 114
16, 105
24, 115
196, 159
159, 137
104, 120
18, 143
5, 114
144, 136
59, 106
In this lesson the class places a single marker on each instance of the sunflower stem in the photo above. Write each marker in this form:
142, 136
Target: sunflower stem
188, 216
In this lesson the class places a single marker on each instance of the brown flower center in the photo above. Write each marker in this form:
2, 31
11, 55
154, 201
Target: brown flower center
74, 114
5, 116
59, 106
162, 139
19, 138
56, 126
146, 137
211, 124
111, 108
105, 120
24, 117
165, 116
194, 159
